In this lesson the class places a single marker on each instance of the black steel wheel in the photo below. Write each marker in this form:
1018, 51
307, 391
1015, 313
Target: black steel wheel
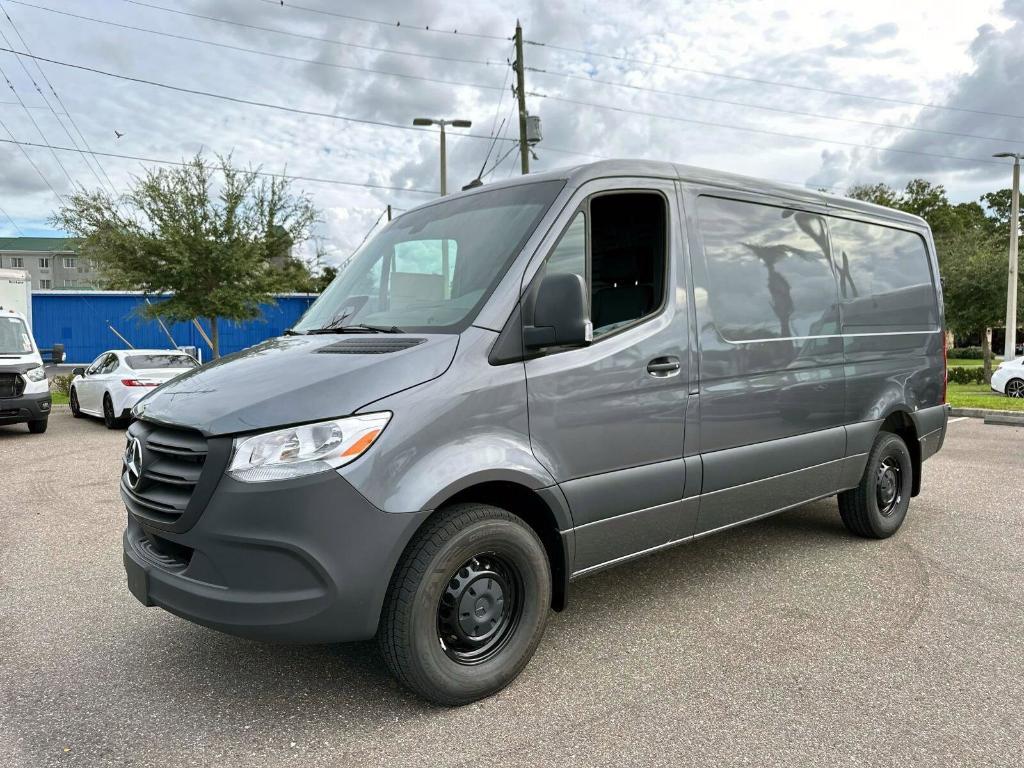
878, 505
1015, 388
467, 604
480, 608
888, 486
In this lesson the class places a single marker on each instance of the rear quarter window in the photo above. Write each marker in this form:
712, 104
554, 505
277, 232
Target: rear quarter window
885, 279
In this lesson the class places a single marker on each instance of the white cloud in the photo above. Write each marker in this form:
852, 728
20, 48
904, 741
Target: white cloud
966, 55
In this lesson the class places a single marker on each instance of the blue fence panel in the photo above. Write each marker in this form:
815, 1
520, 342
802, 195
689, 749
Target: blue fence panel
81, 321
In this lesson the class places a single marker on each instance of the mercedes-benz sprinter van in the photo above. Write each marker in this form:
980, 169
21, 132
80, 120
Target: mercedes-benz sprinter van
527, 382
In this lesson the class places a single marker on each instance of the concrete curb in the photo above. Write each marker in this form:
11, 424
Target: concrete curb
985, 413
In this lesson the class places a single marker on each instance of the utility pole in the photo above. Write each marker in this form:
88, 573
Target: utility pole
389, 211
1010, 347
524, 149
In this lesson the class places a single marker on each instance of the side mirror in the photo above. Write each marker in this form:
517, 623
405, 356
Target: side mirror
57, 354
78, 371
560, 316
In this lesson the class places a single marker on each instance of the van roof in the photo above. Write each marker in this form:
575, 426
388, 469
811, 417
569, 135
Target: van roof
579, 174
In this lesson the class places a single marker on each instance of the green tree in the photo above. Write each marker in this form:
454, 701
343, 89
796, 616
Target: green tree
215, 237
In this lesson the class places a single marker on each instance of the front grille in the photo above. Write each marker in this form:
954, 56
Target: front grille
160, 471
11, 385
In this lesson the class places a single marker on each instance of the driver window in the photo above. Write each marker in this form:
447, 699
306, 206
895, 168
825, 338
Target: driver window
621, 257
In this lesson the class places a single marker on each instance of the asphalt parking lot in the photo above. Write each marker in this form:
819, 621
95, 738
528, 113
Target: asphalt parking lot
785, 642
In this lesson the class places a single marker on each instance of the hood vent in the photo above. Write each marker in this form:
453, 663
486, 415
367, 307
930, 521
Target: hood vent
374, 346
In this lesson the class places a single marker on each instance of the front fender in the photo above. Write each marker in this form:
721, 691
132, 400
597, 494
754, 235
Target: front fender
465, 427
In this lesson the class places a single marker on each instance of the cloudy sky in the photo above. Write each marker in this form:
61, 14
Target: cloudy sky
822, 94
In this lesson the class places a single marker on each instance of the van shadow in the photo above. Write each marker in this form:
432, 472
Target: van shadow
350, 682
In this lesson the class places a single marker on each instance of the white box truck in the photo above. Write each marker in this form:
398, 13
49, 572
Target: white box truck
24, 388
16, 292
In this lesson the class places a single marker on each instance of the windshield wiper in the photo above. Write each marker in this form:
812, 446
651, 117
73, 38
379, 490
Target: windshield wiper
359, 328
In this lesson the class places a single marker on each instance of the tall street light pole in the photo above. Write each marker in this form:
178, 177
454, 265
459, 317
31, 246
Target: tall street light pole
444, 150
1010, 349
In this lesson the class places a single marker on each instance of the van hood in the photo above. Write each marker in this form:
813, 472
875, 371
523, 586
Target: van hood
296, 379
10, 363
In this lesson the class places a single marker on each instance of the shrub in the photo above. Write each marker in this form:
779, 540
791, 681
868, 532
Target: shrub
61, 384
965, 353
959, 374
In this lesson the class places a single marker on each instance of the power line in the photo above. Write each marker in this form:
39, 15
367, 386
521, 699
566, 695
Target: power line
258, 52
767, 132
290, 176
35, 124
329, 41
56, 116
759, 81
13, 222
31, 162
266, 105
749, 105
389, 24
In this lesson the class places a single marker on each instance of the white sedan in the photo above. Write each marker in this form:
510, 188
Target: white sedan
1008, 378
118, 379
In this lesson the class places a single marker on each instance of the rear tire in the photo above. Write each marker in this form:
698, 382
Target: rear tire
38, 426
76, 409
467, 605
110, 420
876, 508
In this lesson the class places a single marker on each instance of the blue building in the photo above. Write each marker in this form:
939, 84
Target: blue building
82, 322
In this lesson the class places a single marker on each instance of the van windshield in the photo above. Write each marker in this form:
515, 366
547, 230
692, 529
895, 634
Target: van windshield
432, 269
14, 338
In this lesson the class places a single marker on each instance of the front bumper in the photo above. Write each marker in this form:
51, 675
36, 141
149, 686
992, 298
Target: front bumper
28, 407
305, 560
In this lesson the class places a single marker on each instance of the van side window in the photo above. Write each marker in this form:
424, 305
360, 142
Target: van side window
627, 258
624, 265
769, 271
884, 276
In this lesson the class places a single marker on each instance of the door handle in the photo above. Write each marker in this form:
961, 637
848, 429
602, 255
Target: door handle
663, 367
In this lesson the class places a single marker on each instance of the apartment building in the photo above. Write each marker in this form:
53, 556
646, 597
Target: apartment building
51, 262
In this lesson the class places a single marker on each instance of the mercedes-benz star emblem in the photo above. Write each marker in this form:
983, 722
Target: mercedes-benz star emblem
133, 462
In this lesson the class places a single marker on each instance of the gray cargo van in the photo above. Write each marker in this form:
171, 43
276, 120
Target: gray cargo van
527, 382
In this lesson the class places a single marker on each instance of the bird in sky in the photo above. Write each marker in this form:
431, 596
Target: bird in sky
117, 133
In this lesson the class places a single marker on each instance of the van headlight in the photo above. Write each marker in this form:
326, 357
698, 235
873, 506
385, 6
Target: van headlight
36, 374
306, 449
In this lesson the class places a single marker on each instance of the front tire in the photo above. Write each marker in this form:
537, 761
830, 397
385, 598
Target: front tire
467, 605
876, 508
38, 426
1014, 388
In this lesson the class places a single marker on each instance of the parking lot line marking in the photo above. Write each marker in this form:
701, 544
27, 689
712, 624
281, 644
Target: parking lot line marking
958, 418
